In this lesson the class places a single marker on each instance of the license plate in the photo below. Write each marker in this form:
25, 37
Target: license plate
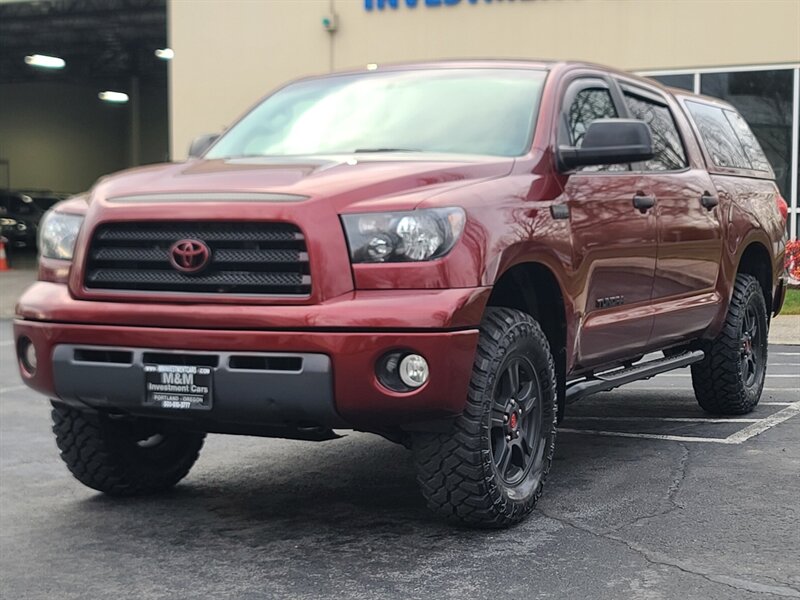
178, 387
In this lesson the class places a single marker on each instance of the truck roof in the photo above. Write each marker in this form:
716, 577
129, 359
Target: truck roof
519, 63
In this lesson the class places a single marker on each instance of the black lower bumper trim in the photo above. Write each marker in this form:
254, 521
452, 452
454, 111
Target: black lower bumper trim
250, 390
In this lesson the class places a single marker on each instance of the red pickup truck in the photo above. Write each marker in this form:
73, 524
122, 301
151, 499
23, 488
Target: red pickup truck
443, 254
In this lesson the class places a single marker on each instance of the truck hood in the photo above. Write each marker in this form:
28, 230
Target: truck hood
386, 180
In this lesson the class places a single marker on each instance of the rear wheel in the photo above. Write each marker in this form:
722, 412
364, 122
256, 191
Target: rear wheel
123, 456
489, 469
729, 380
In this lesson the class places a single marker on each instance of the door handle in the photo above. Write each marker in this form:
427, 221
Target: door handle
644, 203
709, 201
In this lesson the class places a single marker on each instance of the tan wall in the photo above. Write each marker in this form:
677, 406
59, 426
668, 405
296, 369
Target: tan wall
230, 52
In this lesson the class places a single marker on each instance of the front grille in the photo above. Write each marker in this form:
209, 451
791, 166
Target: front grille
246, 258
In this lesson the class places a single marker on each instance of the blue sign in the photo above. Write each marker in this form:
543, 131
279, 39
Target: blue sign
382, 4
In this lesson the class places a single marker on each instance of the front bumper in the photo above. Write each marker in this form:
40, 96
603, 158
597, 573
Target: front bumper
338, 389
254, 389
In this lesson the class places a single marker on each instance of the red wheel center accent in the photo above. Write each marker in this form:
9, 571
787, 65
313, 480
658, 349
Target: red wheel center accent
513, 420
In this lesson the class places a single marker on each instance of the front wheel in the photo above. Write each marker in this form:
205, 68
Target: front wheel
729, 380
489, 469
123, 456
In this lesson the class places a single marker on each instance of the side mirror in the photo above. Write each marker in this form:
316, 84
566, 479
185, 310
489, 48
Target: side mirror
200, 144
608, 142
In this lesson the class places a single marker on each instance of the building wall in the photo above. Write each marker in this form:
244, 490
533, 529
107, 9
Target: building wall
228, 53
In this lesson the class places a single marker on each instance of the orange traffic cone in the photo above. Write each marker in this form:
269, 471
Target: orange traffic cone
3, 260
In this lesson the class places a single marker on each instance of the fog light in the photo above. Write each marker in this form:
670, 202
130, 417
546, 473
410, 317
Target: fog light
413, 370
402, 372
27, 354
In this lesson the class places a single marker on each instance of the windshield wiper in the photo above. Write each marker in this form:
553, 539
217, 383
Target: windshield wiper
358, 150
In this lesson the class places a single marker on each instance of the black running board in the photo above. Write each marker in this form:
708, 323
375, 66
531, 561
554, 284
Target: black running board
613, 379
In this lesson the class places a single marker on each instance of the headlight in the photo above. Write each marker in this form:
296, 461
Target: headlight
415, 235
57, 234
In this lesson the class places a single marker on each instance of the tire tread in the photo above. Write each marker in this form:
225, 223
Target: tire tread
92, 455
717, 380
454, 469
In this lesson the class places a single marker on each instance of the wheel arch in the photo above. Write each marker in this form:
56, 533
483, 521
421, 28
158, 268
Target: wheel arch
755, 260
533, 288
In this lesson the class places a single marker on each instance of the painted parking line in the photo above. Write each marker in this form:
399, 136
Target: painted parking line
790, 410
756, 428
770, 352
677, 386
666, 419
769, 375
644, 436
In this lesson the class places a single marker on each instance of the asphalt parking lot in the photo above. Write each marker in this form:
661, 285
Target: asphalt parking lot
648, 498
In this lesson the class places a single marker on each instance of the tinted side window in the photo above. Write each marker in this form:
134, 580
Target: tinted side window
589, 105
669, 152
764, 100
752, 149
718, 136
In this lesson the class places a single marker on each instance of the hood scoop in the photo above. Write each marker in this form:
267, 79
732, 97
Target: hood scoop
207, 197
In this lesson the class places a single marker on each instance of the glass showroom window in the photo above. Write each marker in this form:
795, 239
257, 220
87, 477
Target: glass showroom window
684, 81
764, 98
768, 98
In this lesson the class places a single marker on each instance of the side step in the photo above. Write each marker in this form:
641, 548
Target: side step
310, 433
609, 380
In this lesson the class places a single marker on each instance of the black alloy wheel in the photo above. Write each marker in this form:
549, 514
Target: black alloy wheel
517, 443
752, 347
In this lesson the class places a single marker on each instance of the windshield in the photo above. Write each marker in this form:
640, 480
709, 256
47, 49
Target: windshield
462, 111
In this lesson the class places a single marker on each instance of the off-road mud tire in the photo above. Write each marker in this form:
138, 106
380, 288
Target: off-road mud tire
106, 453
722, 381
457, 470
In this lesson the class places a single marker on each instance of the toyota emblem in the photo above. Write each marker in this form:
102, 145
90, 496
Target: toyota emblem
189, 256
